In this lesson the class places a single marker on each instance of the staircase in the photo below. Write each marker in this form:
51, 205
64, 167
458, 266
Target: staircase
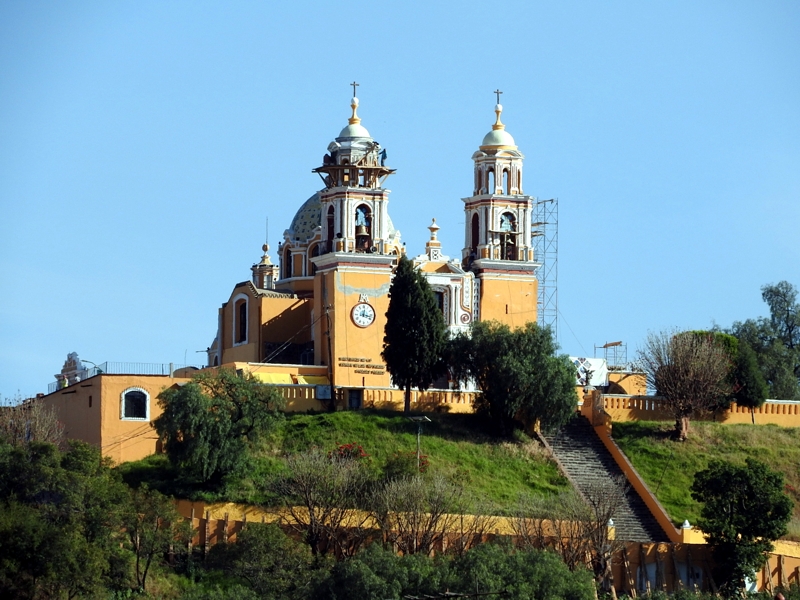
587, 461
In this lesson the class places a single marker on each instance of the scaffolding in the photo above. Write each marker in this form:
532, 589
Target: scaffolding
615, 354
544, 233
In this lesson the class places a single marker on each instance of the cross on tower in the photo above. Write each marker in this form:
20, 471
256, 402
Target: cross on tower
498, 92
355, 85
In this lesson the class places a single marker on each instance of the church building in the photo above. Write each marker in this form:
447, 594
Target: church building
324, 304
313, 324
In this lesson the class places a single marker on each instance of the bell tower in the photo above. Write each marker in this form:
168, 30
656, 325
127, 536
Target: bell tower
353, 204
498, 229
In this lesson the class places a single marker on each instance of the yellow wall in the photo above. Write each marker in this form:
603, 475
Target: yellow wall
651, 408
283, 318
101, 424
510, 301
357, 358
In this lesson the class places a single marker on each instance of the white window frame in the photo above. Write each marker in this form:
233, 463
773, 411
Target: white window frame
122, 404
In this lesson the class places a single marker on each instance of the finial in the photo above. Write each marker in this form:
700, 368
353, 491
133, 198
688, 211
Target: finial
354, 120
496, 92
433, 228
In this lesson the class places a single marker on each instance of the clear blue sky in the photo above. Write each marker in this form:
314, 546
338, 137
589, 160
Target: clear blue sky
143, 144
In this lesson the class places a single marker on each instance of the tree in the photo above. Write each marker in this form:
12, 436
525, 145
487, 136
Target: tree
272, 564
60, 522
415, 334
521, 379
749, 388
415, 512
208, 424
744, 511
322, 494
776, 341
688, 371
27, 421
153, 525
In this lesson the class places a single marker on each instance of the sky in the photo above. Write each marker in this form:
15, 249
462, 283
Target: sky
144, 145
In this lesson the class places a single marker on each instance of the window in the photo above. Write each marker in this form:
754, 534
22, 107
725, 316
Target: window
330, 229
490, 186
506, 182
476, 229
287, 263
240, 319
135, 405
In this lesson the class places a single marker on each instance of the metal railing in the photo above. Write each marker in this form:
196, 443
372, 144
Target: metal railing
122, 368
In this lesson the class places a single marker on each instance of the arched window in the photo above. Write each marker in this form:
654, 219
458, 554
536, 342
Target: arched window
312, 268
330, 228
519, 182
363, 228
135, 405
506, 182
508, 238
490, 187
286, 263
478, 181
240, 320
475, 237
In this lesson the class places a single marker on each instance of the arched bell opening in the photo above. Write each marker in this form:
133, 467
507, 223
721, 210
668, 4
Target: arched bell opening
506, 182
508, 236
474, 236
330, 226
490, 185
363, 228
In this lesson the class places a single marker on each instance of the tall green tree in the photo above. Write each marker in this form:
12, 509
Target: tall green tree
749, 387
415, 336
744, 511
776, 340
520, 377
208, 424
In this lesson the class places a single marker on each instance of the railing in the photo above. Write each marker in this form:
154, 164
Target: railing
121, 368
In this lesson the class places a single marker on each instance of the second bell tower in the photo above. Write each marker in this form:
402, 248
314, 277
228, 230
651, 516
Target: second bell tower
498, 230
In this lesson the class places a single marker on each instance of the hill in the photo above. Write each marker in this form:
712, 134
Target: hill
668, 467
493, 470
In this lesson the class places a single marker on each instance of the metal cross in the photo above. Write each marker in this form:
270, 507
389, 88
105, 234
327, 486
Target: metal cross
355, 85
498, 92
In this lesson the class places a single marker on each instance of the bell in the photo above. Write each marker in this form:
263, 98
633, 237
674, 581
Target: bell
361, 230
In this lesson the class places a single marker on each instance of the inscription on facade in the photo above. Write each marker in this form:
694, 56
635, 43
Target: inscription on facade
362, 366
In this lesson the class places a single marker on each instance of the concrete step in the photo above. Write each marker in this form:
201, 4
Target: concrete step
588, 462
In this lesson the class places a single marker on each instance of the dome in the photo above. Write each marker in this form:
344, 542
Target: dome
355, 130
307, 219
498, 137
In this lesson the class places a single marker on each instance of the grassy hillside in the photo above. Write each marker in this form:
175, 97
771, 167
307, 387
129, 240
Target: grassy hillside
492, 470
669, 467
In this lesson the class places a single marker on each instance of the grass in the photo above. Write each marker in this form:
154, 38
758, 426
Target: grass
493, 470
669, 467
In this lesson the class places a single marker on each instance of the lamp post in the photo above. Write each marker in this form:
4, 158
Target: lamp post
97, 369
419, 421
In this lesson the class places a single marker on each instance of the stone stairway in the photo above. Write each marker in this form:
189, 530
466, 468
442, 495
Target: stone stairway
587, 462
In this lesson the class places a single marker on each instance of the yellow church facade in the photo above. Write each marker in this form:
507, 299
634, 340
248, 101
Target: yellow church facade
325, 301
312, 322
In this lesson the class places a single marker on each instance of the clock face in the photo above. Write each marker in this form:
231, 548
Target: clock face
363, 314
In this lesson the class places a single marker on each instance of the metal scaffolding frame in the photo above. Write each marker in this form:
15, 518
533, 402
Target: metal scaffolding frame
615, 354
544, 233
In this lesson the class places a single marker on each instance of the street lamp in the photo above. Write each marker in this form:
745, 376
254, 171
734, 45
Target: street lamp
419, 421
97, 369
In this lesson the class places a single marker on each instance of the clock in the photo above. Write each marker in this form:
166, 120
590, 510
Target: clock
363, 314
